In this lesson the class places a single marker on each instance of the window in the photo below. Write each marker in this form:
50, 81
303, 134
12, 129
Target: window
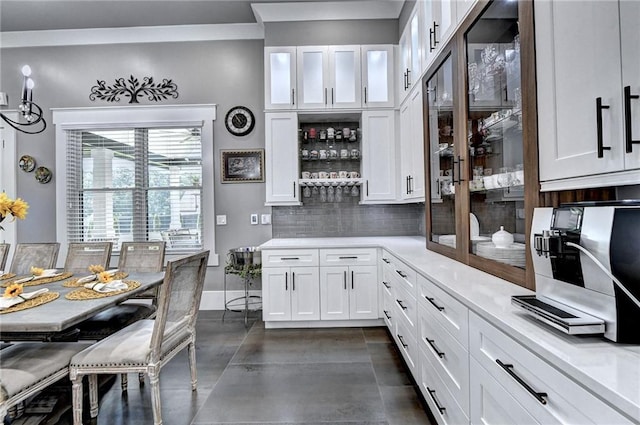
137, 175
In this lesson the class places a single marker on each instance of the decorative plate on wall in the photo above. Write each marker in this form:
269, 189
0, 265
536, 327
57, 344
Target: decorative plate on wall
43, 175
27, 163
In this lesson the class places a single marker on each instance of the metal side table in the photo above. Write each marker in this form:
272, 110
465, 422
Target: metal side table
246, 301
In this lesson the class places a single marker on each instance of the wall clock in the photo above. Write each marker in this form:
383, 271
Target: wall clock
239, 121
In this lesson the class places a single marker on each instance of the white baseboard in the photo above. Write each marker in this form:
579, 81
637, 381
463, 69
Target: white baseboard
214, 300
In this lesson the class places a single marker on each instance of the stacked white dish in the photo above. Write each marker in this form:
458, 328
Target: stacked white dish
513, 254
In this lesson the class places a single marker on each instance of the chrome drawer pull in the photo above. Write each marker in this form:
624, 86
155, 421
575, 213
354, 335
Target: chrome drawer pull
401, 274
402, 341
509, 369
432, 394
431, 342
433, 303
386, 284
386, 313
404, 307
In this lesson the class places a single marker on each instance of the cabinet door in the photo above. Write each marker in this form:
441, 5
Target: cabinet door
344, 77
440, 20
377, 76
280, 77
578, 62
363, 296
281, 158
313, 77
305, 293
379, 156
276, 298
630, 36
404, 63
334, 293
411, 147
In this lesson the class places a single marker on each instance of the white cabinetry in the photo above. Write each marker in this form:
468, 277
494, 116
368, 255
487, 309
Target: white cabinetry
281, 158
412, 148
348, 284
290, 285
378, 76
586, 56
280, 77
410, 55
535, 387
379, 156
439, 21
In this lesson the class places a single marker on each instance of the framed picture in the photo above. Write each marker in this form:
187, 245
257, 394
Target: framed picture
242, 165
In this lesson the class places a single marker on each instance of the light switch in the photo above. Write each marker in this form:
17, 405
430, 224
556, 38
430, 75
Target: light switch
265, 219
221, 220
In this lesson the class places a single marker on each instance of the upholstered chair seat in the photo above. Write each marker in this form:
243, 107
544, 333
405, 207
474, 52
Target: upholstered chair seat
27, 368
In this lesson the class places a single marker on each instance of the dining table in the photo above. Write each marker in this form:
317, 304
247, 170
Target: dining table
57, 320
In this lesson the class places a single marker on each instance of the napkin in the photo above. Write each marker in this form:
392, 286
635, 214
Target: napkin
93, 277
45, 274
113, 286
10, 302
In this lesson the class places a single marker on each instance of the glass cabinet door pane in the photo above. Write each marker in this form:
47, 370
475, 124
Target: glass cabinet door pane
313, 69
280, 63
345, 68
377, 77
441, 118
495, 142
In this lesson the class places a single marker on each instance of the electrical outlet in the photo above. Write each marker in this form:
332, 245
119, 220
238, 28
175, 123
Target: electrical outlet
221, 220
265, 219
254, 218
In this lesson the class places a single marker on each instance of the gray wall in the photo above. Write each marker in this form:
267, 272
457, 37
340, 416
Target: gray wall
226, 73
380, 31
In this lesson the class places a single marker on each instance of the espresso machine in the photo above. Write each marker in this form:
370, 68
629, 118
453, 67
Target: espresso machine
586, 258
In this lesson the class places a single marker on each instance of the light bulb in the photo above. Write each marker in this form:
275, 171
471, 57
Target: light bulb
26, 70
30, 83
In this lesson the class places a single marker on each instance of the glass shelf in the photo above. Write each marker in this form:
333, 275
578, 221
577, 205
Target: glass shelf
329, 182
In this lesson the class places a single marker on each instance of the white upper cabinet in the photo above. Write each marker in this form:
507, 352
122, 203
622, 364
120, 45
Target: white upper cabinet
439, 21
329, 77
586, 57
412, 148
377, 76
280, 77
379, 156
410, 55
281, 158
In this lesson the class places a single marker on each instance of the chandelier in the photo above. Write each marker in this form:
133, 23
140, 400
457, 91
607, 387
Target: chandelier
31, 121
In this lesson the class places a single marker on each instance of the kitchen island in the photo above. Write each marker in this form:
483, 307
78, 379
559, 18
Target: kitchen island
533, 373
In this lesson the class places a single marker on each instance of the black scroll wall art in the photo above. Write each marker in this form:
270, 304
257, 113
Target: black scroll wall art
134, 88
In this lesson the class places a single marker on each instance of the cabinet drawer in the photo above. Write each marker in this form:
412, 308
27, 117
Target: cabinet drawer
407, 345
523, 374
348, 257
289, 257
448, 357
404, 274
446, 310
407, 309
441, 403
388, 310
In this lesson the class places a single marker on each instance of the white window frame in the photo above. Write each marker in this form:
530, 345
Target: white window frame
137, 116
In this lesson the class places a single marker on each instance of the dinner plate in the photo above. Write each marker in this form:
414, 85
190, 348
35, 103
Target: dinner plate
475, 225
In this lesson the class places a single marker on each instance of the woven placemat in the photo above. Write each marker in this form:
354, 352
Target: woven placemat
7, 276
33, 302
90, 294
42, 281
73, 283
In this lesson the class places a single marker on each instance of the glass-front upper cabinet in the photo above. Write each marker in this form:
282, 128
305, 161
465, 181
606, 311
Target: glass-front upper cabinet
495, 136
444, 161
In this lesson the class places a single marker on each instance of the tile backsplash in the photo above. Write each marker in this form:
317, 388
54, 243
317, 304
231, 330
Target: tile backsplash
347, 218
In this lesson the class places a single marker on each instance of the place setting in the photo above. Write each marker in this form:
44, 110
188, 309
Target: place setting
15, 299
101, 283
39, 276
95, 272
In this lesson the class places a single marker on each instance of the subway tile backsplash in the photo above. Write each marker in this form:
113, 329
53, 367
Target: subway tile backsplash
347, 218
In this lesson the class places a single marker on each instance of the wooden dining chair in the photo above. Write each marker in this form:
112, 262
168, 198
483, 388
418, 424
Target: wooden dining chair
4, 253
30, 367
81, 255
27, 255
147, 345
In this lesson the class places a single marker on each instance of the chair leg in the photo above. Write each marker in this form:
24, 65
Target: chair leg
141, 379
154, 379
124, 381
192, 365
76, 398
93, 395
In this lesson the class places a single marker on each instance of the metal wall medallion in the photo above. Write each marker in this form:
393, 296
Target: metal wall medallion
134, 88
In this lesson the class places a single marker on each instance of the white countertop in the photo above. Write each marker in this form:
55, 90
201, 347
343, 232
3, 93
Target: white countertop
609, 370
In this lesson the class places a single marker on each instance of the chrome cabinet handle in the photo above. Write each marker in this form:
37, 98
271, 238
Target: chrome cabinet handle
432, 394
402, 306
431, 342
509, 369
600, 142
628, 129
433, 303
402, 341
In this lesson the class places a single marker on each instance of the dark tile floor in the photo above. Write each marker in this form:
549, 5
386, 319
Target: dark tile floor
287, 376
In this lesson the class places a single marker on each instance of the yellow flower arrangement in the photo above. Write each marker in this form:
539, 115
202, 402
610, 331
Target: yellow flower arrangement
105, 277
13, 290
16, 208
36, 271
96, 268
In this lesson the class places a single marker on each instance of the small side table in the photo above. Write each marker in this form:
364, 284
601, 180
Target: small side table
247, 301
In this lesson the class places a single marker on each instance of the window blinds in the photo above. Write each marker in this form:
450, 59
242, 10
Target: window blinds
135, 184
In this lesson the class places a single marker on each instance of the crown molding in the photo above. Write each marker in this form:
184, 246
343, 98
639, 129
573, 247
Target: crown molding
157, 34
327, 11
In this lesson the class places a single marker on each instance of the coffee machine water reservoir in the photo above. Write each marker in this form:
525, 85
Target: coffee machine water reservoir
586, 258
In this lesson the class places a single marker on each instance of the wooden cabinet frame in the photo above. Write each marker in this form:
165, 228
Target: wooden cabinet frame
456, 48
